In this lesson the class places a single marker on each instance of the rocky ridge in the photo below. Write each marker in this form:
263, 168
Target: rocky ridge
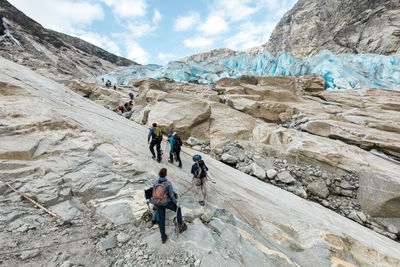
56, 55
343, 27
86, 164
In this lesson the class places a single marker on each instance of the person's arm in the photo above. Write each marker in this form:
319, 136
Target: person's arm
150, 134
171, 194
193, 169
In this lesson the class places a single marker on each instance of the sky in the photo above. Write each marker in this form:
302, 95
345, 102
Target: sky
158, 31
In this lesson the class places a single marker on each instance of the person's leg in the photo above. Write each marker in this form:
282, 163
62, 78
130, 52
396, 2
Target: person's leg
159, 150
178, 157
203, 188
171, 157
152, 144
161, 222
171, 205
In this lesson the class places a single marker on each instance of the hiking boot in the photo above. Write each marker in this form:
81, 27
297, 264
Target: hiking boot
154, 222
180, 166
201, 203
182, 227
164, 240
159, 160
154, 157
170, 161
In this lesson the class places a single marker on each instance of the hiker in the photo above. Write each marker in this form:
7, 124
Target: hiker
121, 109
176, 144
115, 87
131, 96
155, 134
102, 79
199, 171
127, 107
164, 198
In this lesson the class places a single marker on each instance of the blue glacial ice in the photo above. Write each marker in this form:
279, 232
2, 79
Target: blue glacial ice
340, 72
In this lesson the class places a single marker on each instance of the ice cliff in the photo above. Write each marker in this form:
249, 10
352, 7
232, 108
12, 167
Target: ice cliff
340, 72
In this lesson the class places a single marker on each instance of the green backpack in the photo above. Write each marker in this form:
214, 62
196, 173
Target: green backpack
157, 133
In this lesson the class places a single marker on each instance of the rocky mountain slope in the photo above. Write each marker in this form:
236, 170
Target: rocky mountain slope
88, 165
210, 55
48, 52
340, 26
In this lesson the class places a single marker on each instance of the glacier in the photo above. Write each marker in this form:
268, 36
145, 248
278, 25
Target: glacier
339, 71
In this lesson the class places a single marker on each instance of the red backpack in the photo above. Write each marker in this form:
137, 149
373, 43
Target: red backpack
160, 197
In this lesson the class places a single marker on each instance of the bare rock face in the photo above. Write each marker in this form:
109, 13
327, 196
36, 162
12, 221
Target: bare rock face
211, 55
341, 26
48, 52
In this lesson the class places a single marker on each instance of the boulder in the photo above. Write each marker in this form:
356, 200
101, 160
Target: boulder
257, 171
228, 125
245, 105
191, 141
227, 158
249, 79
180, 113
272, 111
310, 83
227, 82
318, 188
271, 173
123, 238
107, 243
286, 178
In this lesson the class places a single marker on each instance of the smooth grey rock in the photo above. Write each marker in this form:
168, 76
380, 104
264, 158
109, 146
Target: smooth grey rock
271, 173
286, 178
123, 238
347, 193
66, 264
192, 141
362, 216
107, 243
318, 188
227, 158
346, 185
257, 171
218, 151
197, 147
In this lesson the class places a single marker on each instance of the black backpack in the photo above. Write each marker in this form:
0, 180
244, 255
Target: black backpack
201, 171
178, 142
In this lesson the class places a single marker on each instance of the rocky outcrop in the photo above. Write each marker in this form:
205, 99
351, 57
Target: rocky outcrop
210, 55
51, 53
88, 163
340, 26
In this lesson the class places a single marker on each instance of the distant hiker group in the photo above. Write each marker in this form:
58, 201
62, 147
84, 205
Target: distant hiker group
161, 195
127, 106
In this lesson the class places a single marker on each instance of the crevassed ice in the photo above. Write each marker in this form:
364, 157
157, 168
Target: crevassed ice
340, 72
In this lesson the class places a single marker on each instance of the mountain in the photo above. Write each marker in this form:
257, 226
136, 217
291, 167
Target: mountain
341, 26
55, 54
210, 55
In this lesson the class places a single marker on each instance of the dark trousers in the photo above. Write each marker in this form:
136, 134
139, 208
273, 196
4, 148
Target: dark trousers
157, 143
161, 215
178, 156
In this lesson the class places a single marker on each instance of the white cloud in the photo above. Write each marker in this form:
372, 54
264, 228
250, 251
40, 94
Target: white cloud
156, 17
214, 25
166, 57
235, 10
250, 35
127, 8
100, 41
139, 29
184, 23
198, 42
61, 15
136, 53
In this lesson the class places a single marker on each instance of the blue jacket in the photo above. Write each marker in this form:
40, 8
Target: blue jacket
172, 143
169, 189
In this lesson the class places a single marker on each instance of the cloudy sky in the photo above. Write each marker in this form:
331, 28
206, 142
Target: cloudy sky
157, 31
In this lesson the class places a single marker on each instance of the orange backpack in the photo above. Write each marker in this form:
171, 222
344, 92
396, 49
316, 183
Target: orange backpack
160, 197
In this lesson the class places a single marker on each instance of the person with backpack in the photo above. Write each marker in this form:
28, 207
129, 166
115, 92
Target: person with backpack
164, 198
175, 148
155, 134
199, 171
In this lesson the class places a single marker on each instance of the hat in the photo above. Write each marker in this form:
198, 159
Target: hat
174, 133
169, 135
